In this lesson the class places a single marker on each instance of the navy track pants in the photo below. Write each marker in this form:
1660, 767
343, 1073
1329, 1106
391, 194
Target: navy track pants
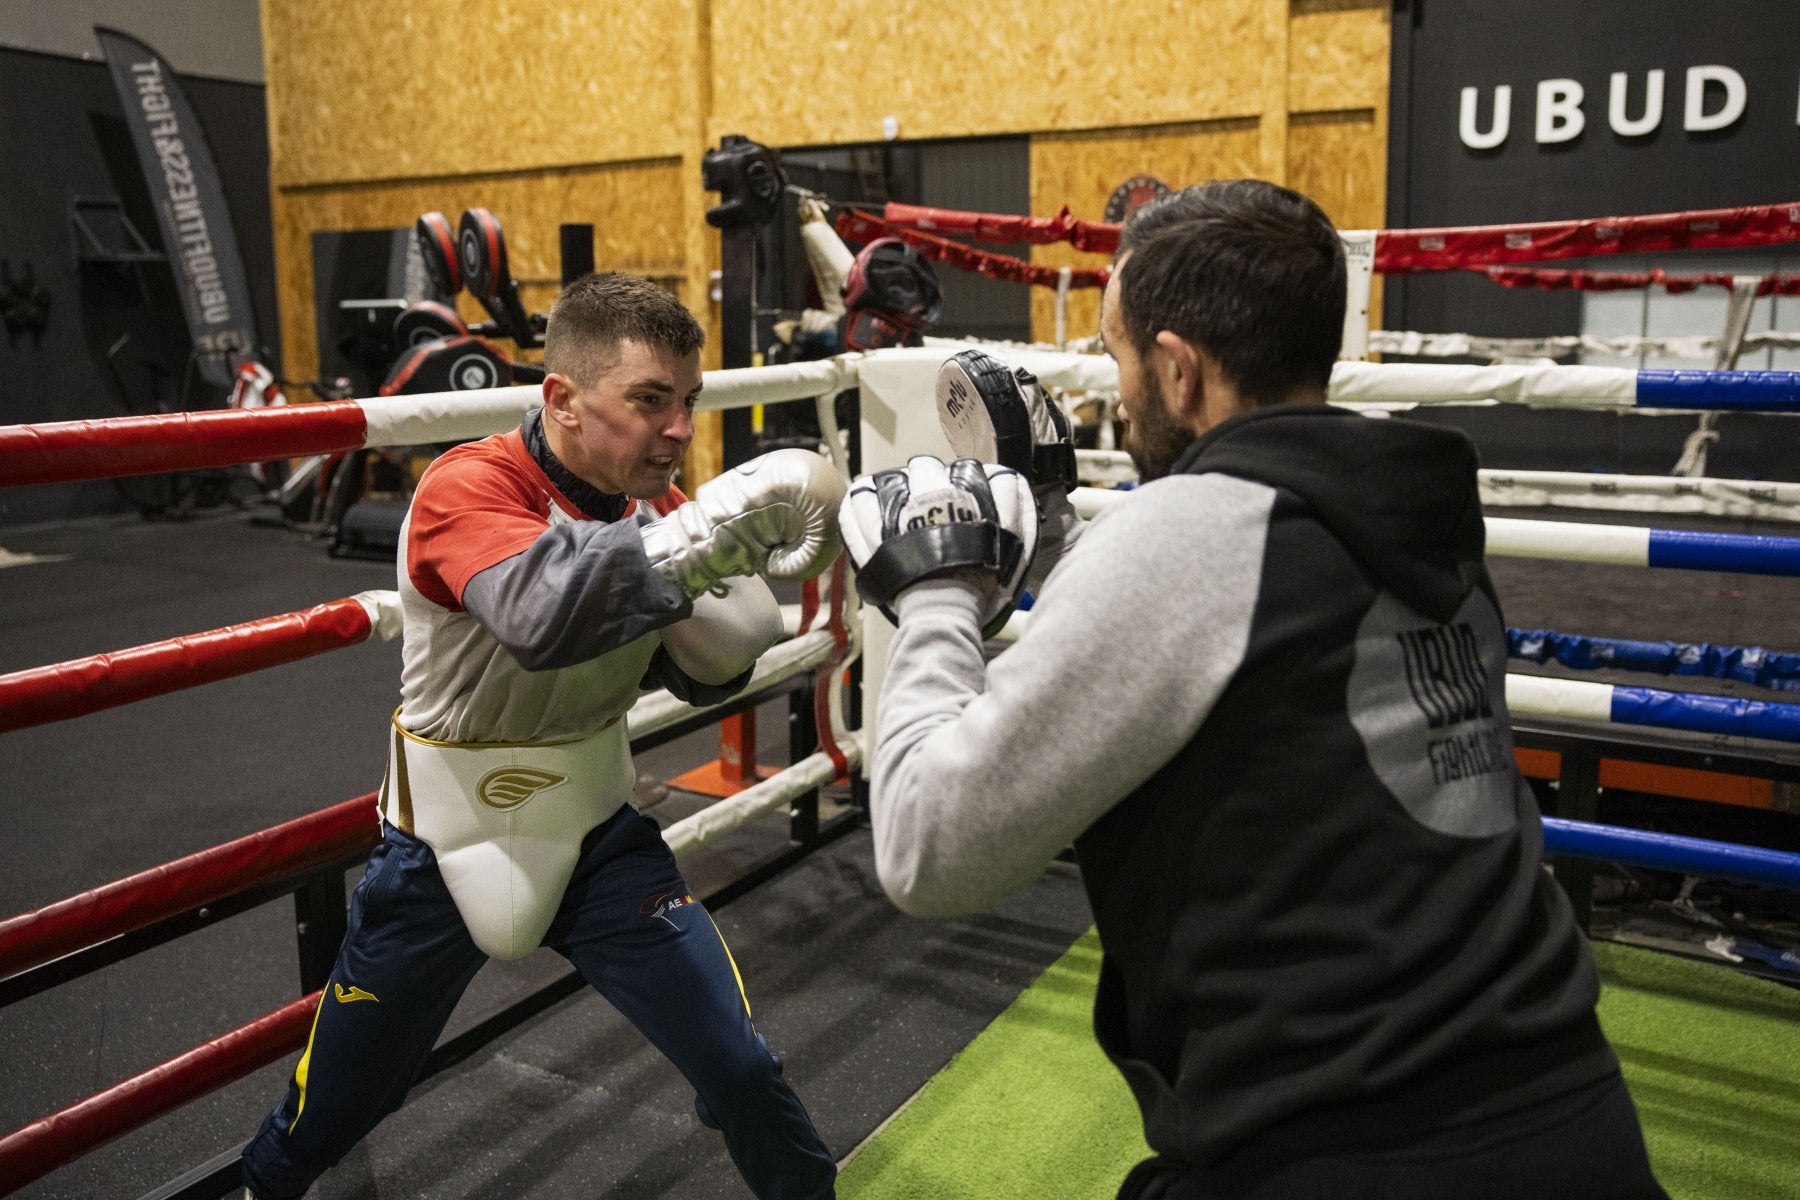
629, 926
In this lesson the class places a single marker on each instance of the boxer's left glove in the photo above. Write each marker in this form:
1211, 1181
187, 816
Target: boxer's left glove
731, 627
928, 519
776, 514
993, 413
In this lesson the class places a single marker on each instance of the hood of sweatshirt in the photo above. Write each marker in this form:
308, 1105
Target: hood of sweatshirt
1401, 495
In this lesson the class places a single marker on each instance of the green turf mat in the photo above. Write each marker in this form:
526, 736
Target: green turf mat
1713, 1060
1032, 1109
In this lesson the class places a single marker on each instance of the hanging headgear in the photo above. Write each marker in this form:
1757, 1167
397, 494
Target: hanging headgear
890, 298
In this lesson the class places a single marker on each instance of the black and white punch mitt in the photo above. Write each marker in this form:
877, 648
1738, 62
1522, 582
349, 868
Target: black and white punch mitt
928, 518
993, 413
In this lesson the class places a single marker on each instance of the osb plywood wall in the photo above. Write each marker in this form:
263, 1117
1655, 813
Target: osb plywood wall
950, 68
1318, 124
1082, 169
547, 112
402, 89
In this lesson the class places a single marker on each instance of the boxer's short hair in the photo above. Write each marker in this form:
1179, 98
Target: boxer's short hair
1250, 272
597, 312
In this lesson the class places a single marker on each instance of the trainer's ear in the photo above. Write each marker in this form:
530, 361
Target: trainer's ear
559, 401
1178, 367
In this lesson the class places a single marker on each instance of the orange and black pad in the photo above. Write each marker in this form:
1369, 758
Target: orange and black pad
426, 321
481, 250
437, 246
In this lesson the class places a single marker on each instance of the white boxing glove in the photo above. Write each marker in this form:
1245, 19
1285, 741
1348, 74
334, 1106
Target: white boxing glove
727, 633
777, 513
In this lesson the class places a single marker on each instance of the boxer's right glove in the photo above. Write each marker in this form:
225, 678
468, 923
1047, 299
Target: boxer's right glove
776, 514
929, 519
992, 413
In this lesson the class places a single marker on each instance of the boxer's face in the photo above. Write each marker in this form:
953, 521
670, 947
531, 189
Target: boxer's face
626, 432
1154, 437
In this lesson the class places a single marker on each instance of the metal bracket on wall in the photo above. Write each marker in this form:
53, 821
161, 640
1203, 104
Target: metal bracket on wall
104, 234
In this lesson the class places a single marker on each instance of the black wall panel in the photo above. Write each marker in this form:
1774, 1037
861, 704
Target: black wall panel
115, 342
1441, 47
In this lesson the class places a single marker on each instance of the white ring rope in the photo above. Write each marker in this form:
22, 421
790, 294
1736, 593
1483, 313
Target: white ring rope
1394, 385
1499, 349
658, 710
778, 790
384, 611
453, 416
1744, 498
1508, 537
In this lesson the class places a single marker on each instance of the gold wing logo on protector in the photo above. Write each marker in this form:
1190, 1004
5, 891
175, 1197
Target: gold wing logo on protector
509, 787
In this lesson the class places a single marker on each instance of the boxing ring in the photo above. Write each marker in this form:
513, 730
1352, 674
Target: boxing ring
1496, 253
308, 858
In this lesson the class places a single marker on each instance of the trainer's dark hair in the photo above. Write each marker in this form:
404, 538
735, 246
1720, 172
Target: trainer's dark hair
597, 312
1250, 272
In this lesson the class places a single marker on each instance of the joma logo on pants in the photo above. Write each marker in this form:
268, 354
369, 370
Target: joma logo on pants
1444, 671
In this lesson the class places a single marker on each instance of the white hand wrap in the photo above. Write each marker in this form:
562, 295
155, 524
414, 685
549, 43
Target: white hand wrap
727, 633
777, 513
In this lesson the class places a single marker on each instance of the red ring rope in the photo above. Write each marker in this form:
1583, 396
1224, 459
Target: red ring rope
840, 635
861, 227
1551, 280
114, 909
64, 451
80, 686
1399, 251
34, 1150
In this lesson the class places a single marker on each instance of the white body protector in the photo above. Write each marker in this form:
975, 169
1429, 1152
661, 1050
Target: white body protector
503, 771
506, 821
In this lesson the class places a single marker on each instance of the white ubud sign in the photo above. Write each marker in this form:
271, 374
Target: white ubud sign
1713, 97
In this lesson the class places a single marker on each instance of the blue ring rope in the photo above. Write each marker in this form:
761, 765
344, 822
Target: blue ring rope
1670, 852
1706, 714
1775, 670
1743, 391
1745, 553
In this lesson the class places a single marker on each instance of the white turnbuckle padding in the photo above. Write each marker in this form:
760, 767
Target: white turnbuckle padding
506, 821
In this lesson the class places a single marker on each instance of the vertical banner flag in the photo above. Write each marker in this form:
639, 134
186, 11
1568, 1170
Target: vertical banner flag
197, 233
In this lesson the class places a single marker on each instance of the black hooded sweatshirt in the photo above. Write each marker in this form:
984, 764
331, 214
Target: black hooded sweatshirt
1265, 697
1325, 919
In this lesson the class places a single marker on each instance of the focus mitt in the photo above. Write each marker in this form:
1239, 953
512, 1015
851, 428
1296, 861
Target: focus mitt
928, 519
992, 413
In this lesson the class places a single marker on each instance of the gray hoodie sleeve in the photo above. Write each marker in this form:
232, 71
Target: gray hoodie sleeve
983, 773
1060, 528
582, 589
